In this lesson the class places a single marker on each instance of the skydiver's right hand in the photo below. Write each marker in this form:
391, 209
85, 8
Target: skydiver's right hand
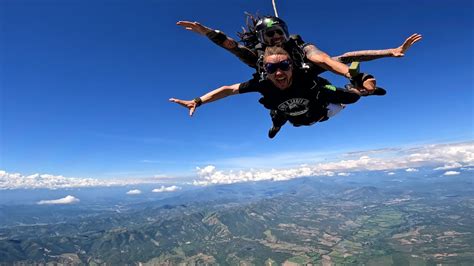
191, 105
369, 85
364, 84
194, 27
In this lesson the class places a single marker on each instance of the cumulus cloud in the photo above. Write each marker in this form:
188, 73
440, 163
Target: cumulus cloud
343, 174
384, 159
210, 175
134, 192
17, 181
66, 200
452, 173
166, 189
450, 165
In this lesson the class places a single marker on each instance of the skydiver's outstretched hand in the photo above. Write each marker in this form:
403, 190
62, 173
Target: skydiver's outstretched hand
400, 51
191, 105
194, 27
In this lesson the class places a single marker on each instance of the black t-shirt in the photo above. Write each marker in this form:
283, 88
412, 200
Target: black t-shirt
299, 102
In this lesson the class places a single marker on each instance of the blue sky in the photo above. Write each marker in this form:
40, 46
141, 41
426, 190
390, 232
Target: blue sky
85, 85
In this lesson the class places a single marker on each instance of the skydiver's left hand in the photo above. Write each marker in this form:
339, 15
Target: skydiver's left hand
400, 51
194, 27
191, 105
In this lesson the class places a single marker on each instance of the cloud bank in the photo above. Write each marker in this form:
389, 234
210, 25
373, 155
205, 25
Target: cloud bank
439, 156
66, 200
19, 181
451, 165
448, 155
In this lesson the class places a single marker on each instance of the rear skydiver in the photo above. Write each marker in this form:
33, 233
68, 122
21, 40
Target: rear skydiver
269, 31
254, 38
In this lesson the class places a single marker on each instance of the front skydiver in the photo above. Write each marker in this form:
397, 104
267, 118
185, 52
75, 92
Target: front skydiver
293, 93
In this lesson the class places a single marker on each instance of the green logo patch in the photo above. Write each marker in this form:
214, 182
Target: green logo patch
269, 23
330, 87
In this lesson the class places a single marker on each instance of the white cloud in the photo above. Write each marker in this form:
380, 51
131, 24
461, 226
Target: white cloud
66, 200
17, 181
450, 165
134, 192
452, 173
166, 189
383, 159
343, 174
209, 175
390, 173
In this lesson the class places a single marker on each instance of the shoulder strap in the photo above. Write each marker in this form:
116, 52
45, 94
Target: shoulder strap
260, 49
295, 47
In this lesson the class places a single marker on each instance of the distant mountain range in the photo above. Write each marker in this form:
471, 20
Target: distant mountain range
371, 220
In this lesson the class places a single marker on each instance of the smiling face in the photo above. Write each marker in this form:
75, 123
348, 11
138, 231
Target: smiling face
275, 36
279, 70
272, 31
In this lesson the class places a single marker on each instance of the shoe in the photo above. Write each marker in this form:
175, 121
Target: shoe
363, 92
379, 91
273, 131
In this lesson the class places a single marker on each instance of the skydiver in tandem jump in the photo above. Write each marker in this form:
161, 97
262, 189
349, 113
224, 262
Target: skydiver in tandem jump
287, 72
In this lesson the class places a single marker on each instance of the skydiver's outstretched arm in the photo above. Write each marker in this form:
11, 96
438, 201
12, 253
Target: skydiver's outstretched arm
368, 55
323, 60
243, 53
212, 96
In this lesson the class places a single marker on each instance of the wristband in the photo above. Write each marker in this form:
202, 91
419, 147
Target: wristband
354, 69
217, 37
197, 101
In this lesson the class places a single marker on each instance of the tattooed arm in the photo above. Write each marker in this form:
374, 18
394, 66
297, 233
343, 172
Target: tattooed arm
368, 55
243, 53
323, 60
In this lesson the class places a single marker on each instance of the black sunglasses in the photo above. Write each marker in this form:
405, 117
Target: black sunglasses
273, 67
270, 33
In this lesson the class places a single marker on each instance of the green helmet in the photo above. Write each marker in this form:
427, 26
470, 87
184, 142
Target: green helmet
267, 26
